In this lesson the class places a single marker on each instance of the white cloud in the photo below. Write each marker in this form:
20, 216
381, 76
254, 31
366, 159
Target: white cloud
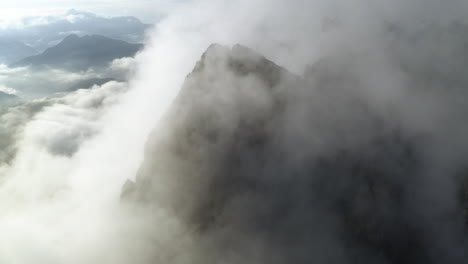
32, 83
8, 90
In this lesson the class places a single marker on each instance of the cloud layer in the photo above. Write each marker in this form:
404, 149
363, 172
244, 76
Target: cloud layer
69, 156
28, 83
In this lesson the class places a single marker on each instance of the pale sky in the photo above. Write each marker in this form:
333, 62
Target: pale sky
147, 10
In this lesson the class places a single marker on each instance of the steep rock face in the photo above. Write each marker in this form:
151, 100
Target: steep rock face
264, 166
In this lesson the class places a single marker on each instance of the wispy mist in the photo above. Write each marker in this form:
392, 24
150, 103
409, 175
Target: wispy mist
344, 144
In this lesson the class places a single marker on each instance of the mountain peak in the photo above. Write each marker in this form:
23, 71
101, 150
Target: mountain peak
242, 61
236, 52
74, 12
72, 37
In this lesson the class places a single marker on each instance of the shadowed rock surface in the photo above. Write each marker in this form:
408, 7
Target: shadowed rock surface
265, 166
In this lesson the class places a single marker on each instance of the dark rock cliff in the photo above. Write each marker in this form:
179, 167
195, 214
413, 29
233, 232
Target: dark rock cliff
252, 154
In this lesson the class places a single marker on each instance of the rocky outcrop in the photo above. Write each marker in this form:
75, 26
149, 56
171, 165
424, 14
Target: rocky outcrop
265, 166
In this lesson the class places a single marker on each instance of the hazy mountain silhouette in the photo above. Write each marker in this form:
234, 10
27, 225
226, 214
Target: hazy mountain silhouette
12, 50
81, 53
47, 31
8, 99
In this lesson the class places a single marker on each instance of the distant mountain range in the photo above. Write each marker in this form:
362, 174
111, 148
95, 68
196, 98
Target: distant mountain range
8, 99
12, 50
44, 32
80, 53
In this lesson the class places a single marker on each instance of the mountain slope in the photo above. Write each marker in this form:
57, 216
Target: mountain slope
80, 53
280, 168
11, 51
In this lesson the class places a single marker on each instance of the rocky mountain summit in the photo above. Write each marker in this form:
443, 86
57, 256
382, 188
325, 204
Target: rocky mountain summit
266, 166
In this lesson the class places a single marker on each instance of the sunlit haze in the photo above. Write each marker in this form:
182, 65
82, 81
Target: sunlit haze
233, 131
148, 11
